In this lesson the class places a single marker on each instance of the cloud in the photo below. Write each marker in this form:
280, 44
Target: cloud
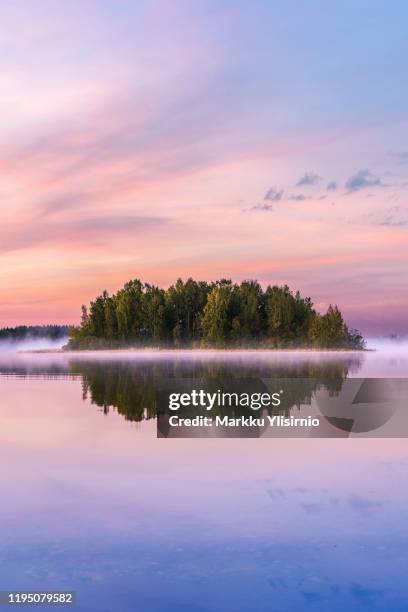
113, 147
331, 186
85, 231
366, 595
311, 508
311, 596
276, 493
299, 197
273, 194
364, 505
391, 221
309, 178
264, 207
362, 179
62, 202
401, 156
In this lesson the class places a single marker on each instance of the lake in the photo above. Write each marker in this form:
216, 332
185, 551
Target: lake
93, 502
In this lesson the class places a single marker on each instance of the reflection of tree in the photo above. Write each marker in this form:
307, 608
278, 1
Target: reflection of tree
31, 368
140, 390
122, 385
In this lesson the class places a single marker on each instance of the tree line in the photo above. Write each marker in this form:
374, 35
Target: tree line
216, 314
24, 332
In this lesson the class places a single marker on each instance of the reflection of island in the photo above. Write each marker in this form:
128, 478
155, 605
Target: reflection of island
319, 385
140, 391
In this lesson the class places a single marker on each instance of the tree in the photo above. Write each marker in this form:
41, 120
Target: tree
97, 316
153, 313
129, 310
280, 312
84, 315
184, 305
111, 322
218, 311
329, 330
248, 302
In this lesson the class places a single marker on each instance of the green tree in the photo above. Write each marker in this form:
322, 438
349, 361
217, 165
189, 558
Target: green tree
218, 313
96, 320
111, 322
329, 330
129, 310
280, 312
153, 313
248, 311
184, 305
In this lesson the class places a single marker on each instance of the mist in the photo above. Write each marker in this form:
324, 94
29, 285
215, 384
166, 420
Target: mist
32, 344
389, 345
29, 343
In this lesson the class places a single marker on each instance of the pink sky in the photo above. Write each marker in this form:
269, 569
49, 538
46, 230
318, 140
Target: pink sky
167, 142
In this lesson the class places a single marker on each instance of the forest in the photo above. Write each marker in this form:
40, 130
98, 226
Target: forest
220, 314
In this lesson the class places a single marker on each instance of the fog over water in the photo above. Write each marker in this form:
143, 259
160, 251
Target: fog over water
32, 344
388, 345
383, 344
385, 357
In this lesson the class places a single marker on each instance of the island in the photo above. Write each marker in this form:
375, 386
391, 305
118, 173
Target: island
200, 314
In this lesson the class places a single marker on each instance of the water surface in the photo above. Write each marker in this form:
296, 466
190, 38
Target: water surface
92, 501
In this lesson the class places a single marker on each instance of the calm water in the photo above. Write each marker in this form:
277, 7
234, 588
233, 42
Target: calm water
92, 501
